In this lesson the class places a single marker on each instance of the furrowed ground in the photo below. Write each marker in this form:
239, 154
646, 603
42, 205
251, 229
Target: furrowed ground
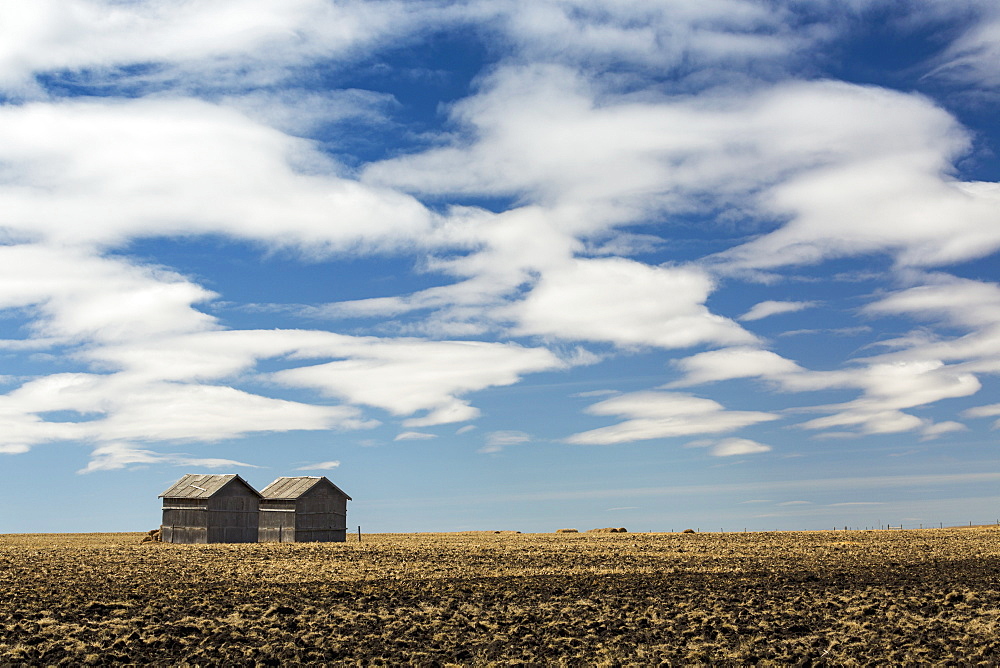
844, 598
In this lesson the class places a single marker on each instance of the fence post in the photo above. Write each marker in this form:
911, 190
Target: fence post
359, 533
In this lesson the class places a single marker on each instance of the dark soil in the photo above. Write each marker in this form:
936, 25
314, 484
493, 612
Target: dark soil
836, 598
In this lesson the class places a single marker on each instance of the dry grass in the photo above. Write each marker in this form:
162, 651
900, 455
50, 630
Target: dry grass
843, 598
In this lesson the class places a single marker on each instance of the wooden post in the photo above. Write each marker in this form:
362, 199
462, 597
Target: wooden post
359, 533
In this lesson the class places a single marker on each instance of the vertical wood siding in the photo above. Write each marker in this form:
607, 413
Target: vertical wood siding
228, 516
319, 515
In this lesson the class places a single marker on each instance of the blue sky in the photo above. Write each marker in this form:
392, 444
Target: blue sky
501, 264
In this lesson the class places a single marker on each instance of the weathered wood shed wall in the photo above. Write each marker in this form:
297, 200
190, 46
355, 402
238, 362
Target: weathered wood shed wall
303, 509
210, 509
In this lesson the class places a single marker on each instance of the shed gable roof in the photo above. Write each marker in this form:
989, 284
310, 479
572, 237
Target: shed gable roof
202, 486
295, 487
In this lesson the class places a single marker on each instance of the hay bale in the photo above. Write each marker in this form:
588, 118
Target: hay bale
622, 530
688, 531
152, 536
604, 530
567, 531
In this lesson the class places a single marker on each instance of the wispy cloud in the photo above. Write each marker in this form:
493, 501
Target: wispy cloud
497, 441
856, 503
991, 410
730, 363
113, 456
414, 436
730, 447
320, 466
662, 415
768, 308
604, 189
957, 482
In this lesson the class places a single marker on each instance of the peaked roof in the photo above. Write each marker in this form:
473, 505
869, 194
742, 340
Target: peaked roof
294, 487
202, 486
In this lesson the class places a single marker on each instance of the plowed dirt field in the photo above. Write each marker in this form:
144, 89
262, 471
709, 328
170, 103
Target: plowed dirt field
837, 598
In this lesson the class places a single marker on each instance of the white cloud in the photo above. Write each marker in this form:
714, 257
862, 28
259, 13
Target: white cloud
79, 296
303, 112
117, 407
414, 436
320, 466
894, 208
992, 410
973, 58
527, 122
595, 393
260, 42
506, 251
663, 415
730, 447
113, 456
662, 35
728, 363
960, 301
869, 421
159, 167
923, 367
638, 305
405, 376
508, 437
888, 387
826, 169
939, 429
158, 388
838, 331
496, 441
902, 384
856, 503
789, 153
210, 41
768, 308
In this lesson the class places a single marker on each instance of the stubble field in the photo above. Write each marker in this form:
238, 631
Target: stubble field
843, 598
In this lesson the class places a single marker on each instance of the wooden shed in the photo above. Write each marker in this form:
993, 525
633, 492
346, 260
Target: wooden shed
302, 510
210, 509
